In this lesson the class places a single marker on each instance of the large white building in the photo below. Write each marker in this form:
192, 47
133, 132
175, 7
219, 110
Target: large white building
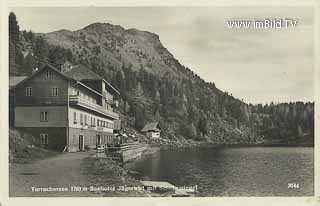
66, 109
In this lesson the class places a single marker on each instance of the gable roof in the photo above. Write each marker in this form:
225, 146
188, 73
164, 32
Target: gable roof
39, 71
76, 74
79, 72
154, 126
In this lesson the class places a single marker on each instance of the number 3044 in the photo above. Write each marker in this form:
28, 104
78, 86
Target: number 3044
293, 185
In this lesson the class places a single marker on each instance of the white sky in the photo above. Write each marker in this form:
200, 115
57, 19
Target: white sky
258, 66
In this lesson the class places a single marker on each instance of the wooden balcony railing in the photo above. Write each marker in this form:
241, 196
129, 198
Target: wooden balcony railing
76, 100
40, 100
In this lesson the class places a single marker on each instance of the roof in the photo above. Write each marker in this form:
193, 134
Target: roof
81, 73
14, 80
77, 73
37, 72
151, 127
89, 88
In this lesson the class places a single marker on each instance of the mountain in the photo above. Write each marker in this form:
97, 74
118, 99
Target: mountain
114, 45
155, 86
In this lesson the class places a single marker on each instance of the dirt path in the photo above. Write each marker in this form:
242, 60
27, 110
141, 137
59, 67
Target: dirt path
62, 171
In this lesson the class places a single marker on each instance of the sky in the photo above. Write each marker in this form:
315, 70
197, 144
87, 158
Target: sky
255, 65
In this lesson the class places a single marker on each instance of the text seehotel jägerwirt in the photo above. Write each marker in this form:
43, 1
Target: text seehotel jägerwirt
123, 188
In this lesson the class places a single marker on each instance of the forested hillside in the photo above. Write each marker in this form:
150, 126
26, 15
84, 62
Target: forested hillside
154, 86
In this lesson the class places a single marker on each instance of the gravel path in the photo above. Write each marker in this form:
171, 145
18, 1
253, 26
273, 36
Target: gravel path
62, 171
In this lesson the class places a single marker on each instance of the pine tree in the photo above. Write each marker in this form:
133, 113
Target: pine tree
203, 126
120, 84
13, 28
139, 118
13, 40
157, 105
13, 70
41, 51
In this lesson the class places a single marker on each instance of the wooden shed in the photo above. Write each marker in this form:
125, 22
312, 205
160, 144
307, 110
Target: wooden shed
152, 130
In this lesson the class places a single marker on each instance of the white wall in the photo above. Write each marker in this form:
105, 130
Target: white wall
29, 116
89, 115
155, 134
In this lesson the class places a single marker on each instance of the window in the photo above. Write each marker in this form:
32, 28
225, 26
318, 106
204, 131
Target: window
85, 119
43, 116
55, 91
94, 121
74, 117
44, 139
28, 91
49, 74
81, 118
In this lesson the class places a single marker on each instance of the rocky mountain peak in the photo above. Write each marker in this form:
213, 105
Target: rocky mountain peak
114, 45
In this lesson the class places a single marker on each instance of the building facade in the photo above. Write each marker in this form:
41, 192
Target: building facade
66, 109
152, 130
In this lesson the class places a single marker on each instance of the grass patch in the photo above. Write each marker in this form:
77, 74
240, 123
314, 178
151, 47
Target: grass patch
102, 172
22, 149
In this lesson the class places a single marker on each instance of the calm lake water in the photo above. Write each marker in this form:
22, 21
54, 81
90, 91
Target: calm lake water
245, 171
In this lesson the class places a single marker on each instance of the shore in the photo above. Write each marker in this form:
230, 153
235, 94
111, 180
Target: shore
187, 144
109, 179
50, 177
50, 170
102, 177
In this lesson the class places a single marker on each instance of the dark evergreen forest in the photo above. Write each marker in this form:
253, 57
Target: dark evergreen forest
186, 107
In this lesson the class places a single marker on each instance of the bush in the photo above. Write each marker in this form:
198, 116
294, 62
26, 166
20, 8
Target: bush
22, 150
189, 131
19, 140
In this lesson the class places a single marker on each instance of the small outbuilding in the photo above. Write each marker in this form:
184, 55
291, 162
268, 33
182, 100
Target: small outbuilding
152, 130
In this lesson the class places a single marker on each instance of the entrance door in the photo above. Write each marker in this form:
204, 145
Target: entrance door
98, 140
81, 142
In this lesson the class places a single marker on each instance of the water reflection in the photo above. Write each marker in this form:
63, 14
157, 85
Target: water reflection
253, 171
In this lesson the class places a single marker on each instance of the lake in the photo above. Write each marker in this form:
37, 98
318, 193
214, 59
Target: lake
233, 171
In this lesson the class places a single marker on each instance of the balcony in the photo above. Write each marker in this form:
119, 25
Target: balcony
35, 100
113, 103
117, 124
76, 100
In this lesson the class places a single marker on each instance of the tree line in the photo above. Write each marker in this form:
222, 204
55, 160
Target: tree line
185, 107
28, 50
